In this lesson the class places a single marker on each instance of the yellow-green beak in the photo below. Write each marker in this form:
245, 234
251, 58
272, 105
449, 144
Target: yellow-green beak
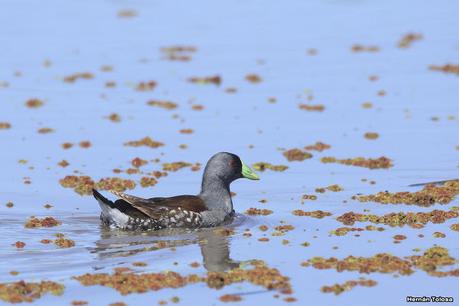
248, 173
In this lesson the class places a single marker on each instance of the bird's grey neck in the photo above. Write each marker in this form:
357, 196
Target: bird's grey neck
216, 194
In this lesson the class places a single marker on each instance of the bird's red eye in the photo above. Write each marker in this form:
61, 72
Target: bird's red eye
232, 163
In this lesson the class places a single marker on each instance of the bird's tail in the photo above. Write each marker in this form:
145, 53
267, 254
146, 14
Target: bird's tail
110, 215
101, 199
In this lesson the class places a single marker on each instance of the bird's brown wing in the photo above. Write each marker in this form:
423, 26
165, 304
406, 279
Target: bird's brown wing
155, 207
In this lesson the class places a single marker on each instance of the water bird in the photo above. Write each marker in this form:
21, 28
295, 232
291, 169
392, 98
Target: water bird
211, 207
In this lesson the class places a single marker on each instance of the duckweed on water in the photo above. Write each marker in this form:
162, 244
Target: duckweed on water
367, 105
175, 166
178, 53
5, 125
66, 145
85, 144
429, 195
163, 104
319, 214
127, 14
63, 163
334, 188
148, 181
83, 185
448, 68
78, 76
45, 130
186, 131
284, 228
21, 291
371, 135
356, 48
253, 78
64, 243
438, 235
34, 103
432, 259
146, 86
337, 289
19, 244
306, 197
378, 163
408, 39
400, 219
215, 79
256, 211
127, 282
318, 146
197, 107
114, 117
399, 237
342, 231
138, 162
262, 166
296, 155
312, 108
35, 222
146, 141
230, 298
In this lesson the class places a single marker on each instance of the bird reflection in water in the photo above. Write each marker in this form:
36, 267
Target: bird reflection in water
213, 242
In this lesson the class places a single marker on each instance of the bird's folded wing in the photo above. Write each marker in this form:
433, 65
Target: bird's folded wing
155, 207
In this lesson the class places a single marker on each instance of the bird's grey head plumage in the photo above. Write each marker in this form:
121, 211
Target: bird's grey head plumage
223, 166
221, 169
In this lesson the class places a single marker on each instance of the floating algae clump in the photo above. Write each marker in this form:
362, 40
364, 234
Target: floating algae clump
21, 291
342, 231
406, 41
175, 166
432, 258
340, 288
429, 195
64, 243
311, 107
83, 185
146, 141
319, 214
296, 155
163, 104
399, 219
256, 211
371, 163
138, 162
215, 79
126, 282
430, 261
4, 125
262, 166
318, 146
78, 76
334, 188
34, 222
448, 68
148, 181
382, 263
